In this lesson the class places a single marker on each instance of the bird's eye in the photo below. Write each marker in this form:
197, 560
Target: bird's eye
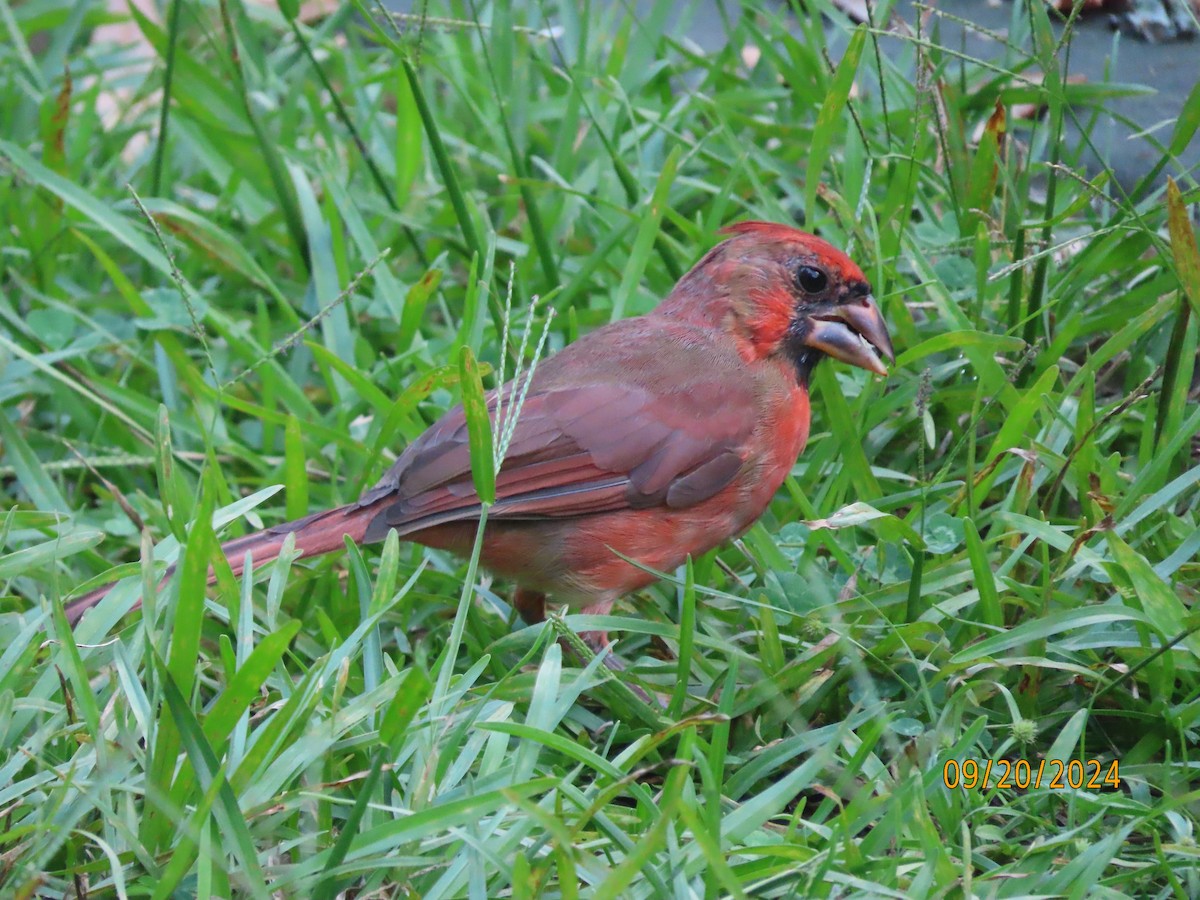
811, 279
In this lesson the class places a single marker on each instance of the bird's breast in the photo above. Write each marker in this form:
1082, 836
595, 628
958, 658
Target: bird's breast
779, 440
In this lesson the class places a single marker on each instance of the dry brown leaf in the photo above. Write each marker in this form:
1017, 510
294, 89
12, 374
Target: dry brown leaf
1026, 110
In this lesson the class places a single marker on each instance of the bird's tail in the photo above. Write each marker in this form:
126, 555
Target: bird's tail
315, 534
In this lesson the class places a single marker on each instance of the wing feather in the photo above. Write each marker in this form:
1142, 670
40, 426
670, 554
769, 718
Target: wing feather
629, 436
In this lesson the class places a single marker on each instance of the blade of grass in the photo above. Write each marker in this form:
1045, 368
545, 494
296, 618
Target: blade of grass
833, 109
268, 148
226, 810
648, 230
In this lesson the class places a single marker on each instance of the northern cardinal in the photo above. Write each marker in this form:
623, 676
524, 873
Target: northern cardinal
655, 437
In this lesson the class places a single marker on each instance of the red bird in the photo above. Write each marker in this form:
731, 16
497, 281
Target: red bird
656, 437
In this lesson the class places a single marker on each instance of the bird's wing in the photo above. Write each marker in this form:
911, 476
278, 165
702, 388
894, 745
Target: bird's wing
580, 449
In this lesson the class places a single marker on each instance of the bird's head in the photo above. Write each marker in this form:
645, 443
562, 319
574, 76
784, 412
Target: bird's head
784, 292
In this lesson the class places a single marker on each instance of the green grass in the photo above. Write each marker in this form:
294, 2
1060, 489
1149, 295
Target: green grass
992, 555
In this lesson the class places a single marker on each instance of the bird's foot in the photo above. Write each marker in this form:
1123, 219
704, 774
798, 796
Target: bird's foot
531, 607
598, 643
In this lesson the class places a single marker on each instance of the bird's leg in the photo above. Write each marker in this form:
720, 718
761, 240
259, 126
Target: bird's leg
530, 605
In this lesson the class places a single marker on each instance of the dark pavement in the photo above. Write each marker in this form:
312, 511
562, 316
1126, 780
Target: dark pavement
1097, 52
1101, 54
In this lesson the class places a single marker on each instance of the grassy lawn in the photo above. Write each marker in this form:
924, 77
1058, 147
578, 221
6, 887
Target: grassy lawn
238, 306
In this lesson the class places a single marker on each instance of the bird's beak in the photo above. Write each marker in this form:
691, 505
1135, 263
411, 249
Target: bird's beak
854, 333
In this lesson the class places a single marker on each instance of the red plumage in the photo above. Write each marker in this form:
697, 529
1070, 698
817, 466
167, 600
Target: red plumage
652, 438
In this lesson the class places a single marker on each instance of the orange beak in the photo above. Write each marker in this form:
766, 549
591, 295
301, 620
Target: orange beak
853, 332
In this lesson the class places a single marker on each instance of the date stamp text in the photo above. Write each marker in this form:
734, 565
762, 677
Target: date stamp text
1024, 774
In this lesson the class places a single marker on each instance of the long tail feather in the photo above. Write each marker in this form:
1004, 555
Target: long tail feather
318, 533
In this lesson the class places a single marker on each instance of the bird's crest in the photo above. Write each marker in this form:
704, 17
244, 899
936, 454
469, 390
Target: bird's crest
773, 232
765, 229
